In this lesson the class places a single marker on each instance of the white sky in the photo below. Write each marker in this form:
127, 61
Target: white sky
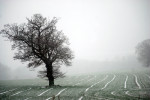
97, 29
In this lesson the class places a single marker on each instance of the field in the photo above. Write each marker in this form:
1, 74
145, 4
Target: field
100, 86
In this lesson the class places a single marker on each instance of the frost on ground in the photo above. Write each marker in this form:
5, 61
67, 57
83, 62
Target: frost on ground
92, 86
57, 94
8, 91
108, 82
125, 83
87, 87
45, 92
139, 86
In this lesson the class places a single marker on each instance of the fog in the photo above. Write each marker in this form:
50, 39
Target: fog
102, 33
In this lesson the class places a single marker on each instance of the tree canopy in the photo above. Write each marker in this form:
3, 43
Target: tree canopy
143, 52
39, 42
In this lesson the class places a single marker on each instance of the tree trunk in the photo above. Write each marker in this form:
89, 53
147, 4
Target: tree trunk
50, 74
51, 81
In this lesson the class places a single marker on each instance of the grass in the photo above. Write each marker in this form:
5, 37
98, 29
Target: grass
75, 87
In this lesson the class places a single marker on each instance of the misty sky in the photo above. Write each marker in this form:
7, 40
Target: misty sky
97, 29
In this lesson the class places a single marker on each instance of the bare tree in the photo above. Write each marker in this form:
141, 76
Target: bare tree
39, 42
143, 52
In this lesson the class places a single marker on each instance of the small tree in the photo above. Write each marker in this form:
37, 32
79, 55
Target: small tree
39, 42
143, 52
